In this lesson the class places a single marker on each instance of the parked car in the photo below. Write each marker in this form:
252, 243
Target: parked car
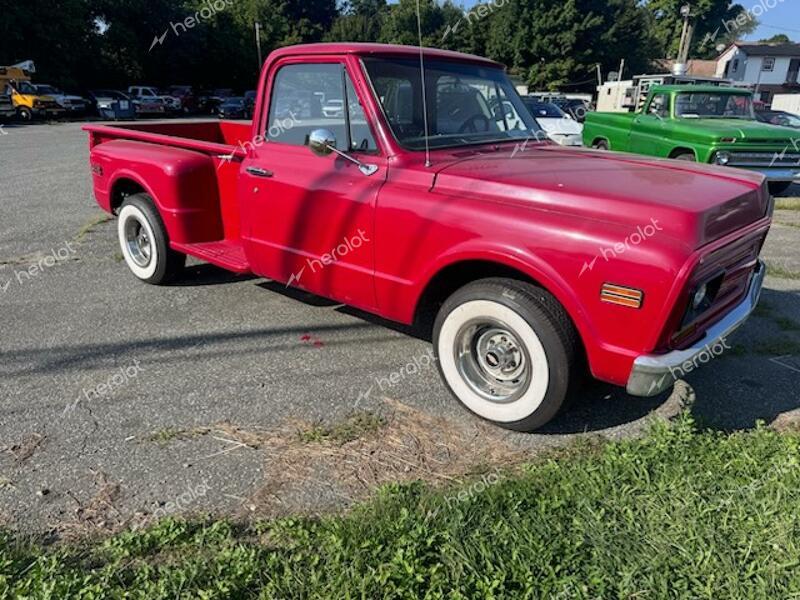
73, 105
210, 101
497, 244
150, 101
333, 108
560, 127
574, 107
173, 104
235, 108
112, 104
778, 117
185, 94
707, 124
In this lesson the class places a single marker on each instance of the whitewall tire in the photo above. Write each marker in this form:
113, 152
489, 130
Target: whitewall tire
506, 351
144, 242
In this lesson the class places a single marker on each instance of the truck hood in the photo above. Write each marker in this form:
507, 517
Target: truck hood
742, 130
695, 204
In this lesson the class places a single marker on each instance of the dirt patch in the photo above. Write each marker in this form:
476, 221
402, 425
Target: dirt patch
99, 514
404, 445
23, 450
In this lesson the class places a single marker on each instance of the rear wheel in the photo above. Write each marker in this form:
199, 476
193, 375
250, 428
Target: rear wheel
24, 114
776, 188
506, 350
144, 242
600, 145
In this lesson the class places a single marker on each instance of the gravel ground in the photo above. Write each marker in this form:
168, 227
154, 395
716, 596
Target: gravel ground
122, 400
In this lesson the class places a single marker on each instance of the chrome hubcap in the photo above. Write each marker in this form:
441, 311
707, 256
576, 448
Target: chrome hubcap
139, 245
491, 359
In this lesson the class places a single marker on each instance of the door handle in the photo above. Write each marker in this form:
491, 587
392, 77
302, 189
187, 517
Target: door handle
258, 172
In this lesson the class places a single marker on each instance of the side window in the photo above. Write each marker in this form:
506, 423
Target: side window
361, 139
660, 106
306, 97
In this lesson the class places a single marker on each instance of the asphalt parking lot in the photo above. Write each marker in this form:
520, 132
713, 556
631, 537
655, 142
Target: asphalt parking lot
121, 401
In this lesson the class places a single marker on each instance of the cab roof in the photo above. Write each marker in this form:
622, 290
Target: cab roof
370, 49
700, 89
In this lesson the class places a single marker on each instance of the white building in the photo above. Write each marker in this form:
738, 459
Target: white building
770, 68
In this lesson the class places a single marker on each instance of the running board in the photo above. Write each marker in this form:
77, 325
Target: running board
223, 253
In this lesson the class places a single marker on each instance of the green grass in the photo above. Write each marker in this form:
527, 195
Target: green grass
170, 434
680, 513
351, 428
787, 203
87, 228
780, 272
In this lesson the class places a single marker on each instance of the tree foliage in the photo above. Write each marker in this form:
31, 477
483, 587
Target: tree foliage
211, 43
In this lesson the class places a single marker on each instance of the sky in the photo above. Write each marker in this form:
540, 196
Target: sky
784, 18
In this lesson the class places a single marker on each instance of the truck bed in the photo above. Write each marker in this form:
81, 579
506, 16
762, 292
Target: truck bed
214, 137
192, 170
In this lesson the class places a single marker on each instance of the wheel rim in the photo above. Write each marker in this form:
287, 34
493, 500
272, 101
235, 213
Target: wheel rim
492, 361
138, 242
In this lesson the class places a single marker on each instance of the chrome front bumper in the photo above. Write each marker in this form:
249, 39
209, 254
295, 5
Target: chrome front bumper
654, 373
779, 174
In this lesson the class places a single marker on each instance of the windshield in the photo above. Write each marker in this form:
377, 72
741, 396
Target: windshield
543, 110
715, 106
23, 87
47, 89
784, 119
467, 103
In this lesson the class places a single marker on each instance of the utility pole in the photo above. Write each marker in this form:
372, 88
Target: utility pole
258, 44
682, 64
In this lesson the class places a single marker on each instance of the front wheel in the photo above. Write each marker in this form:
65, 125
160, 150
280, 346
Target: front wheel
506, 350
776, 188
145, 243
24, 114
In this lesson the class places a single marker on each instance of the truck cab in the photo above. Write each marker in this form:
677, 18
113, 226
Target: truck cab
707, 124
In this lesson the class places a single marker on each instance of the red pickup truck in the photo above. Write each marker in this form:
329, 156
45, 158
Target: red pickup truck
416, 186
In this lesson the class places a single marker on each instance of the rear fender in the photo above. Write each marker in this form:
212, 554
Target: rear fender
182, 183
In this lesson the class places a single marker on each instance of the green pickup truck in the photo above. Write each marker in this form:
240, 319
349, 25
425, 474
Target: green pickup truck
709, 124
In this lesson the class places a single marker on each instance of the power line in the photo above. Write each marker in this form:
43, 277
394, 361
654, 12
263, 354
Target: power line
779, 28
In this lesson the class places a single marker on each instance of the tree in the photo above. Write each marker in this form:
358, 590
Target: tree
781, 38
717, 23
558, 44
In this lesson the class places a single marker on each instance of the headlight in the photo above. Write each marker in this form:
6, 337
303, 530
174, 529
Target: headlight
722, 158
702, 298
699, 296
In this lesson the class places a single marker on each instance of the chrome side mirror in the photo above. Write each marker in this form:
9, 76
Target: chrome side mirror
321, 142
